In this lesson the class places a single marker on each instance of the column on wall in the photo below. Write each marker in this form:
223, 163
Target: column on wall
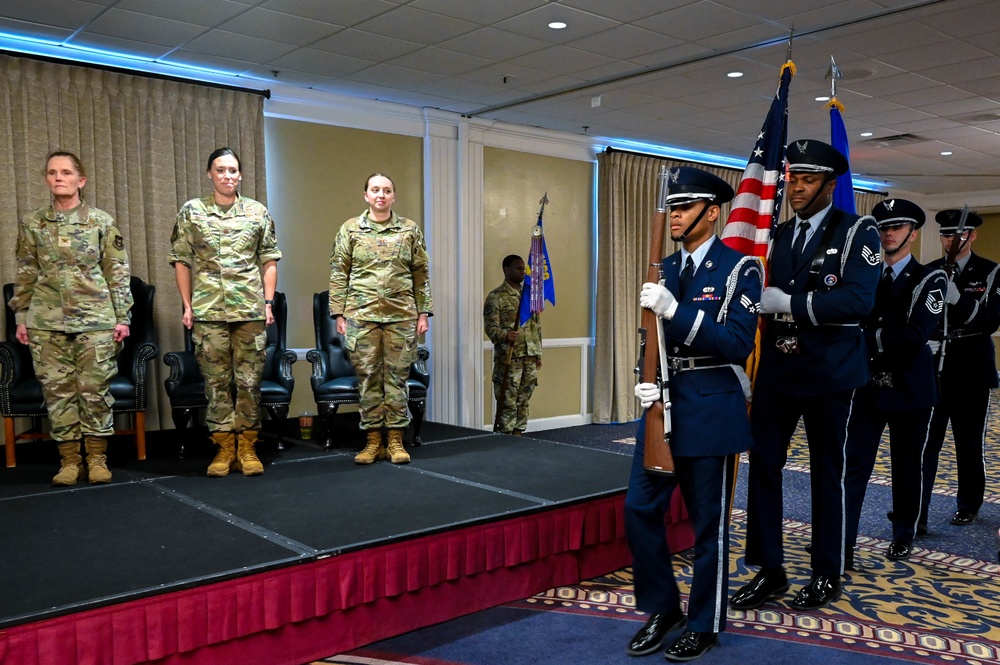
453, 226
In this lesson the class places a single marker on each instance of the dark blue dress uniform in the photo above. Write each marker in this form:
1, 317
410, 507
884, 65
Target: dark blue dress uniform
712, 329
832, 288
903, 390
967, 376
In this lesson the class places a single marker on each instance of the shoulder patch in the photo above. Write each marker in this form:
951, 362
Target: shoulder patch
872, 258
935, 301
119, 242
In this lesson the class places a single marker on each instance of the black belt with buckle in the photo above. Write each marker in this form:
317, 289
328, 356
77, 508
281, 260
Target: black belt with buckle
694, 362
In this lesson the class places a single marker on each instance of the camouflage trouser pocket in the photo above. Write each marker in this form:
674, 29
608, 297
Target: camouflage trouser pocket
351, 339
105, 351
260, 340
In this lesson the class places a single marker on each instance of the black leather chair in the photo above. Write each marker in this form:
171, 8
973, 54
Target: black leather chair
186, 386
334, 381
21, 392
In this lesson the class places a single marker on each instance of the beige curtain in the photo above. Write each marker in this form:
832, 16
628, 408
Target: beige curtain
144, 143
626, 201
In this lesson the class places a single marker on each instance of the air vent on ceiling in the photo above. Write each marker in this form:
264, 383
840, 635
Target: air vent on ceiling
895, 139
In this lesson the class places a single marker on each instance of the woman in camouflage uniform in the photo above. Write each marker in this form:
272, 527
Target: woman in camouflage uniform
380, 294
225, 257
72, 306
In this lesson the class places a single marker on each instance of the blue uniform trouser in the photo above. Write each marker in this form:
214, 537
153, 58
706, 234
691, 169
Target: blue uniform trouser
908, 435
773, 419
967, 409
706, 483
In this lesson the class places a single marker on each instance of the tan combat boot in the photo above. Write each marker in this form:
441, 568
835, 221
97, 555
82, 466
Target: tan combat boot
517, 432
72, 468
226, 456
97, 460
246, 455
397, 454
374, 450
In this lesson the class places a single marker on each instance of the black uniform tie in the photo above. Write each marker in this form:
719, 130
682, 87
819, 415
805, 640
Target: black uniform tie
885, 284
685, 278
799, 243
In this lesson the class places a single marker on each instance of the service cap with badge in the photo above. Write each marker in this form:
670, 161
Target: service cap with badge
896, 212
686, 184
812, 156
951, 219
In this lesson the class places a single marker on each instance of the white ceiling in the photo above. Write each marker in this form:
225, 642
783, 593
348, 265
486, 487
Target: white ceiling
922, 75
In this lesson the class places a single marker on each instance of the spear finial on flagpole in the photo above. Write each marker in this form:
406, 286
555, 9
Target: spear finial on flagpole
788, 52
832, 75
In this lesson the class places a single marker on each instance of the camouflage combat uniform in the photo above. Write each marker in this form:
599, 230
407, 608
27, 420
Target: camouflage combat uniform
71, 290
225, 250
500, 312
379, 282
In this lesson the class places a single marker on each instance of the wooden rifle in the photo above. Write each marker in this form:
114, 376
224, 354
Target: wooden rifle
657, 457
950, 264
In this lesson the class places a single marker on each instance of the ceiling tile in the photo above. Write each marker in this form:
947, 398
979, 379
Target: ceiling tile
483, 13
119, 45
36, 30
394, 77
338, 12
365, 45
697, 20
625, 11
439, 61
561, 60
142, 27
624, 42
536, 23
494, 44
417, 26
208, 13
240, 47
58, 13
323, 63
280, 27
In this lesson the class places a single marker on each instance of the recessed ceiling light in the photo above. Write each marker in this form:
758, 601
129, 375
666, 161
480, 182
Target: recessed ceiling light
822, 99
557, 25
867, 133
734, 75
946, 152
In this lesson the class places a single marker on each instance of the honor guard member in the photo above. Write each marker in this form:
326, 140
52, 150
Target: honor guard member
501, 312
909, 302
966, 364
708, 301
824, 269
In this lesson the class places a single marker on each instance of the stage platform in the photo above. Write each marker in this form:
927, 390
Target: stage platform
315, 557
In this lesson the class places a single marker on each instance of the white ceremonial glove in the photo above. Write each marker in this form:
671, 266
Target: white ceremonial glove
935, 346
657, 298
775, 301
648, 394
953, 294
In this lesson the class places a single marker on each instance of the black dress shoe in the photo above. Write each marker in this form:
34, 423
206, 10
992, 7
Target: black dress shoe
963, 518
762, 587
921, 525
691, 645
820, 592
650, 637
897, 550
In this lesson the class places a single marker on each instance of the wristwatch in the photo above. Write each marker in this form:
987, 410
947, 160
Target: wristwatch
268, 302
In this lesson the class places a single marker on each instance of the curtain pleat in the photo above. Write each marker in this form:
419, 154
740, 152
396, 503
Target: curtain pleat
144, 143
626, 202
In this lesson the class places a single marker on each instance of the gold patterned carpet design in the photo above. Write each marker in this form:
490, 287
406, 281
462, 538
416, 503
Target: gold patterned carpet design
936, 606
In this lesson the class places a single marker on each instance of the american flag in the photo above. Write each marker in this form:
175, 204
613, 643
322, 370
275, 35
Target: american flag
757, 204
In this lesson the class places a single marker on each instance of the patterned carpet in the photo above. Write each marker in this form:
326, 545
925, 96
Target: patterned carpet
940, 605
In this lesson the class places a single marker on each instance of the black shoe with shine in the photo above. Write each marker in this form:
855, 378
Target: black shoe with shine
820, 592
765, 584
921, 525
650, 637
963, 518
898, 550
691, 645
